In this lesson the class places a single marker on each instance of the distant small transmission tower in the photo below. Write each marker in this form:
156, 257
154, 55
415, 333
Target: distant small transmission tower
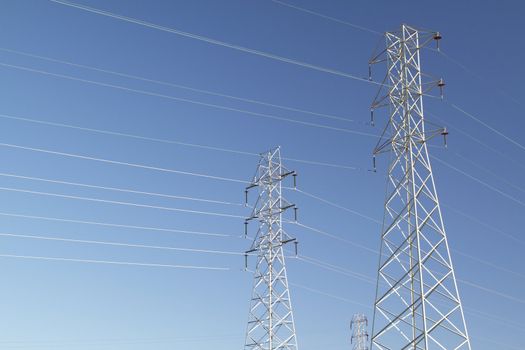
359, 325
417, 304
271, 324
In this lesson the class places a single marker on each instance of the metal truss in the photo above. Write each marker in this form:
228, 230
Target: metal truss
417, 305
271, 323
359, 333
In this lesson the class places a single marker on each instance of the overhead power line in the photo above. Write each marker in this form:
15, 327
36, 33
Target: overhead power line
448, 57
479, 181
212, 201
109, 262
479, 77
479, 141
335, 205
179, 86
115, 162
490, 172
479, 121
119, 244
333, 19
260, 53
483, 223
213, 41
329, 295
115, 225
166, 141
187, 100
107, 201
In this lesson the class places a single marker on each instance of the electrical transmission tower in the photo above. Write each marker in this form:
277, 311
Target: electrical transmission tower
417, 303
359, 333
271, 323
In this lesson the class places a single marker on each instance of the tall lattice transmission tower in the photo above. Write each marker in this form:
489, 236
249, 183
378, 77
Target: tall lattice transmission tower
417, 304
359, 338
271, 324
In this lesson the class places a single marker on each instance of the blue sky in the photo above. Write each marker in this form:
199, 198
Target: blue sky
73, 305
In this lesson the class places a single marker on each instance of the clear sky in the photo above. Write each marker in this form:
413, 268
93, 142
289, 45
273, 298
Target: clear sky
78, 306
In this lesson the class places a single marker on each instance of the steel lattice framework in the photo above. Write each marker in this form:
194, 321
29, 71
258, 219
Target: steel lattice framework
271, 323
359, 333
417, 305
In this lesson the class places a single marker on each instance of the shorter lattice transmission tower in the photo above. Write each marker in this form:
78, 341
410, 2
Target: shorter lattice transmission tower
271, 324
359, 325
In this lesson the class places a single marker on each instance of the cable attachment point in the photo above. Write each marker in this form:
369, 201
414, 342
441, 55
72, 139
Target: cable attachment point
441, 84
437, 37
444, 133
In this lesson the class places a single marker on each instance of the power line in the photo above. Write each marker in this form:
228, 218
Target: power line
260, 53
482, 223
179, 86
335, 237
440, 51
107, 201
370, 280
213, 41
309, 260
371, 250
186, 100
329, 295
492, 291
333, 19
108, 224
338, 269
479, 77
338, 238
479, 181
468, 160
478, 141
335, 205
166, 141
110, 341
109, 262
485, 262
120, 189
479, 121
119, 244
134, 165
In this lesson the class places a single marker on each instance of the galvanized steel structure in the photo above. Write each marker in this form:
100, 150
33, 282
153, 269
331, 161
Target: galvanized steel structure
359, 338
271, 323
417, 304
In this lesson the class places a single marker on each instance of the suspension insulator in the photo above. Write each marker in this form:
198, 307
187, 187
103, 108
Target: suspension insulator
441, 85
437, 37
445, 133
